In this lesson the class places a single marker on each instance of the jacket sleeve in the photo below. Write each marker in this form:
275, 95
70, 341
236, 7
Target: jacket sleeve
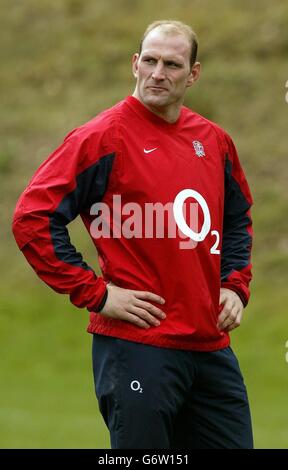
237, 227
66, 184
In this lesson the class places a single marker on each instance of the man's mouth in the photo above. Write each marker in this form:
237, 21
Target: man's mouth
157, 88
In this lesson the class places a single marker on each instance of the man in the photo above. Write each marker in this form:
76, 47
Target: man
165, 375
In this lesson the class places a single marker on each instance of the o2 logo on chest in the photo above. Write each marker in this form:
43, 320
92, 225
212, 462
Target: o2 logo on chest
182, 225
155, 220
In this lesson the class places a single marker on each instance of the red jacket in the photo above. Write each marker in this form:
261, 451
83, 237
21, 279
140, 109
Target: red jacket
129, 152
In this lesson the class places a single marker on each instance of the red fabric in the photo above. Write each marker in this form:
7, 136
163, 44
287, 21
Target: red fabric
188, 279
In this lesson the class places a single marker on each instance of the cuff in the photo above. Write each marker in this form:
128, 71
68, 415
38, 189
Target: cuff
103, 301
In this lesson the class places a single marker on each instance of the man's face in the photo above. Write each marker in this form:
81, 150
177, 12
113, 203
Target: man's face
163, 70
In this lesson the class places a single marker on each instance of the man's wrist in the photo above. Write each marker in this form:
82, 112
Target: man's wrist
239, 292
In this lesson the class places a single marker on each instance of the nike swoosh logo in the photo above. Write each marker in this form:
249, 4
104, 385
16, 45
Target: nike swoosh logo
150, 150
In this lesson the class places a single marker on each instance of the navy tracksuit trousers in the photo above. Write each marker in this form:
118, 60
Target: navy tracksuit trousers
159, 398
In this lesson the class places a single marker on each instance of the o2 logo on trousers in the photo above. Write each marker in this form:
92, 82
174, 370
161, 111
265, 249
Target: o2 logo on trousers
136, 386
180, 220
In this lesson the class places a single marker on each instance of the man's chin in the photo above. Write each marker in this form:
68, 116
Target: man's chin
155, 101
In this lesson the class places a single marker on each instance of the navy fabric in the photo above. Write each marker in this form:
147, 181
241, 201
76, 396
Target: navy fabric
90, 188
236, 239
159, 398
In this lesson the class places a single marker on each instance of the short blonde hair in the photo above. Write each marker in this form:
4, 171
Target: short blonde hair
176, 27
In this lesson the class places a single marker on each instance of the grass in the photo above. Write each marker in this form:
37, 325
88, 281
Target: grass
62, 62
260, 345
47, 391
47, 396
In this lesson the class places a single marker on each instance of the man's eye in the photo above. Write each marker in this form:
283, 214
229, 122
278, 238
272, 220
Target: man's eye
172, 64
150, 61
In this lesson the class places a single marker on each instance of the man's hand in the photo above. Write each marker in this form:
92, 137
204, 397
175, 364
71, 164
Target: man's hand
231, 314
133, 306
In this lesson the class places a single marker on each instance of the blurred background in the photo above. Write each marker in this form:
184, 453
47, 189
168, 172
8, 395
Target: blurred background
62, 62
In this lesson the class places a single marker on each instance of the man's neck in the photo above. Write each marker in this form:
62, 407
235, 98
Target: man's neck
169, 114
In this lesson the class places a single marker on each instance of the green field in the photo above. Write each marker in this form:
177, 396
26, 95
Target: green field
61, 63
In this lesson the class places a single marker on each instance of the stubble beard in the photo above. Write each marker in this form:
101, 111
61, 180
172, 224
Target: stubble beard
156, 100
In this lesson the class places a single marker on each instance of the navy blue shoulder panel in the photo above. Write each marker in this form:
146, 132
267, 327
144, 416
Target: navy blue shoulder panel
236, 245
90, 188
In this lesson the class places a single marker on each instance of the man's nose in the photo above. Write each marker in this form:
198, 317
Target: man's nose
158, 73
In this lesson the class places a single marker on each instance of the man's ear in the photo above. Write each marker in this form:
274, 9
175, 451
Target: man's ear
194, 74
135, 58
